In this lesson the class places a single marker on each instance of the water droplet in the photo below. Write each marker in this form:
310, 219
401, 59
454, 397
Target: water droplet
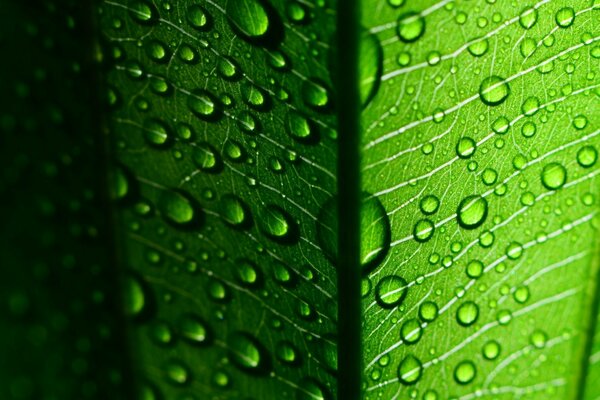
428, 311
565, 17
156, 51
391, 291
587, 156
134, 299
467, 313
142, 12
411, 331
234, 211
205, 157
478, 48
286, 353
493, 90
370, 66
429, 204
193, 329
410, 370
554, 176
198, 17
374, 228
156, 133
247, 272
228, 69
296, 12
177, 372
176, 207
277, 224
474, 269
423, 230
298, 126
465, 372
472, 212
528, 18
282, 274
501, 125
491, 350
254, 96
315, 94
411, 27
310, 389
161, 333
245, 352
204, 105
465, 147
538, 339
521, 295
248, 17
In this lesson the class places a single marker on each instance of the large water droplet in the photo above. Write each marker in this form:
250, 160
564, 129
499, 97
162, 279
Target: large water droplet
410, 370
177, 372
370, 66
493, 90
206, 158
411, 331
472, 212
134, 298
156, 132
391, 291
374, 228
315, 94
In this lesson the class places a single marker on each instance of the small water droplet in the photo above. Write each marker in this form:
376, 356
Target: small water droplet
465, 372
410, 370
411, 27
554, 176
467, 313
176, 207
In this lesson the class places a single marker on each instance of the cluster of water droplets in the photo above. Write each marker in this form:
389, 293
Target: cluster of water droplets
225, 148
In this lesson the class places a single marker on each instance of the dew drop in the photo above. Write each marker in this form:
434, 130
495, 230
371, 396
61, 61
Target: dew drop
465, 372
176, 207
155, 133
277, 224
205, 157
391, 291
565, 17
465, 147
142, 12
134, 299
428, 311
298, 126
245, 352
411, 331
479, 47
472, 212
370, 66
429, 204
198, 17
474, 269
248, 17
538, 339
528, 18
177, 373
587, 156
493, 90
467, 313
310, 389
411, 27
554, 176
315, 95
247, 273
286, 353
491, 350
193, 329
234, 211
203, 104
423, 230
410, 370
228, 69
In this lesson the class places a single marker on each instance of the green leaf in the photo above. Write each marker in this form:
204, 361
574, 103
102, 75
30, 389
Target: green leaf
481, 146
306, 199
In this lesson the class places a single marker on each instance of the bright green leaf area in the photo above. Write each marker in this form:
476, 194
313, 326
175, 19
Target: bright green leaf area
481, 145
